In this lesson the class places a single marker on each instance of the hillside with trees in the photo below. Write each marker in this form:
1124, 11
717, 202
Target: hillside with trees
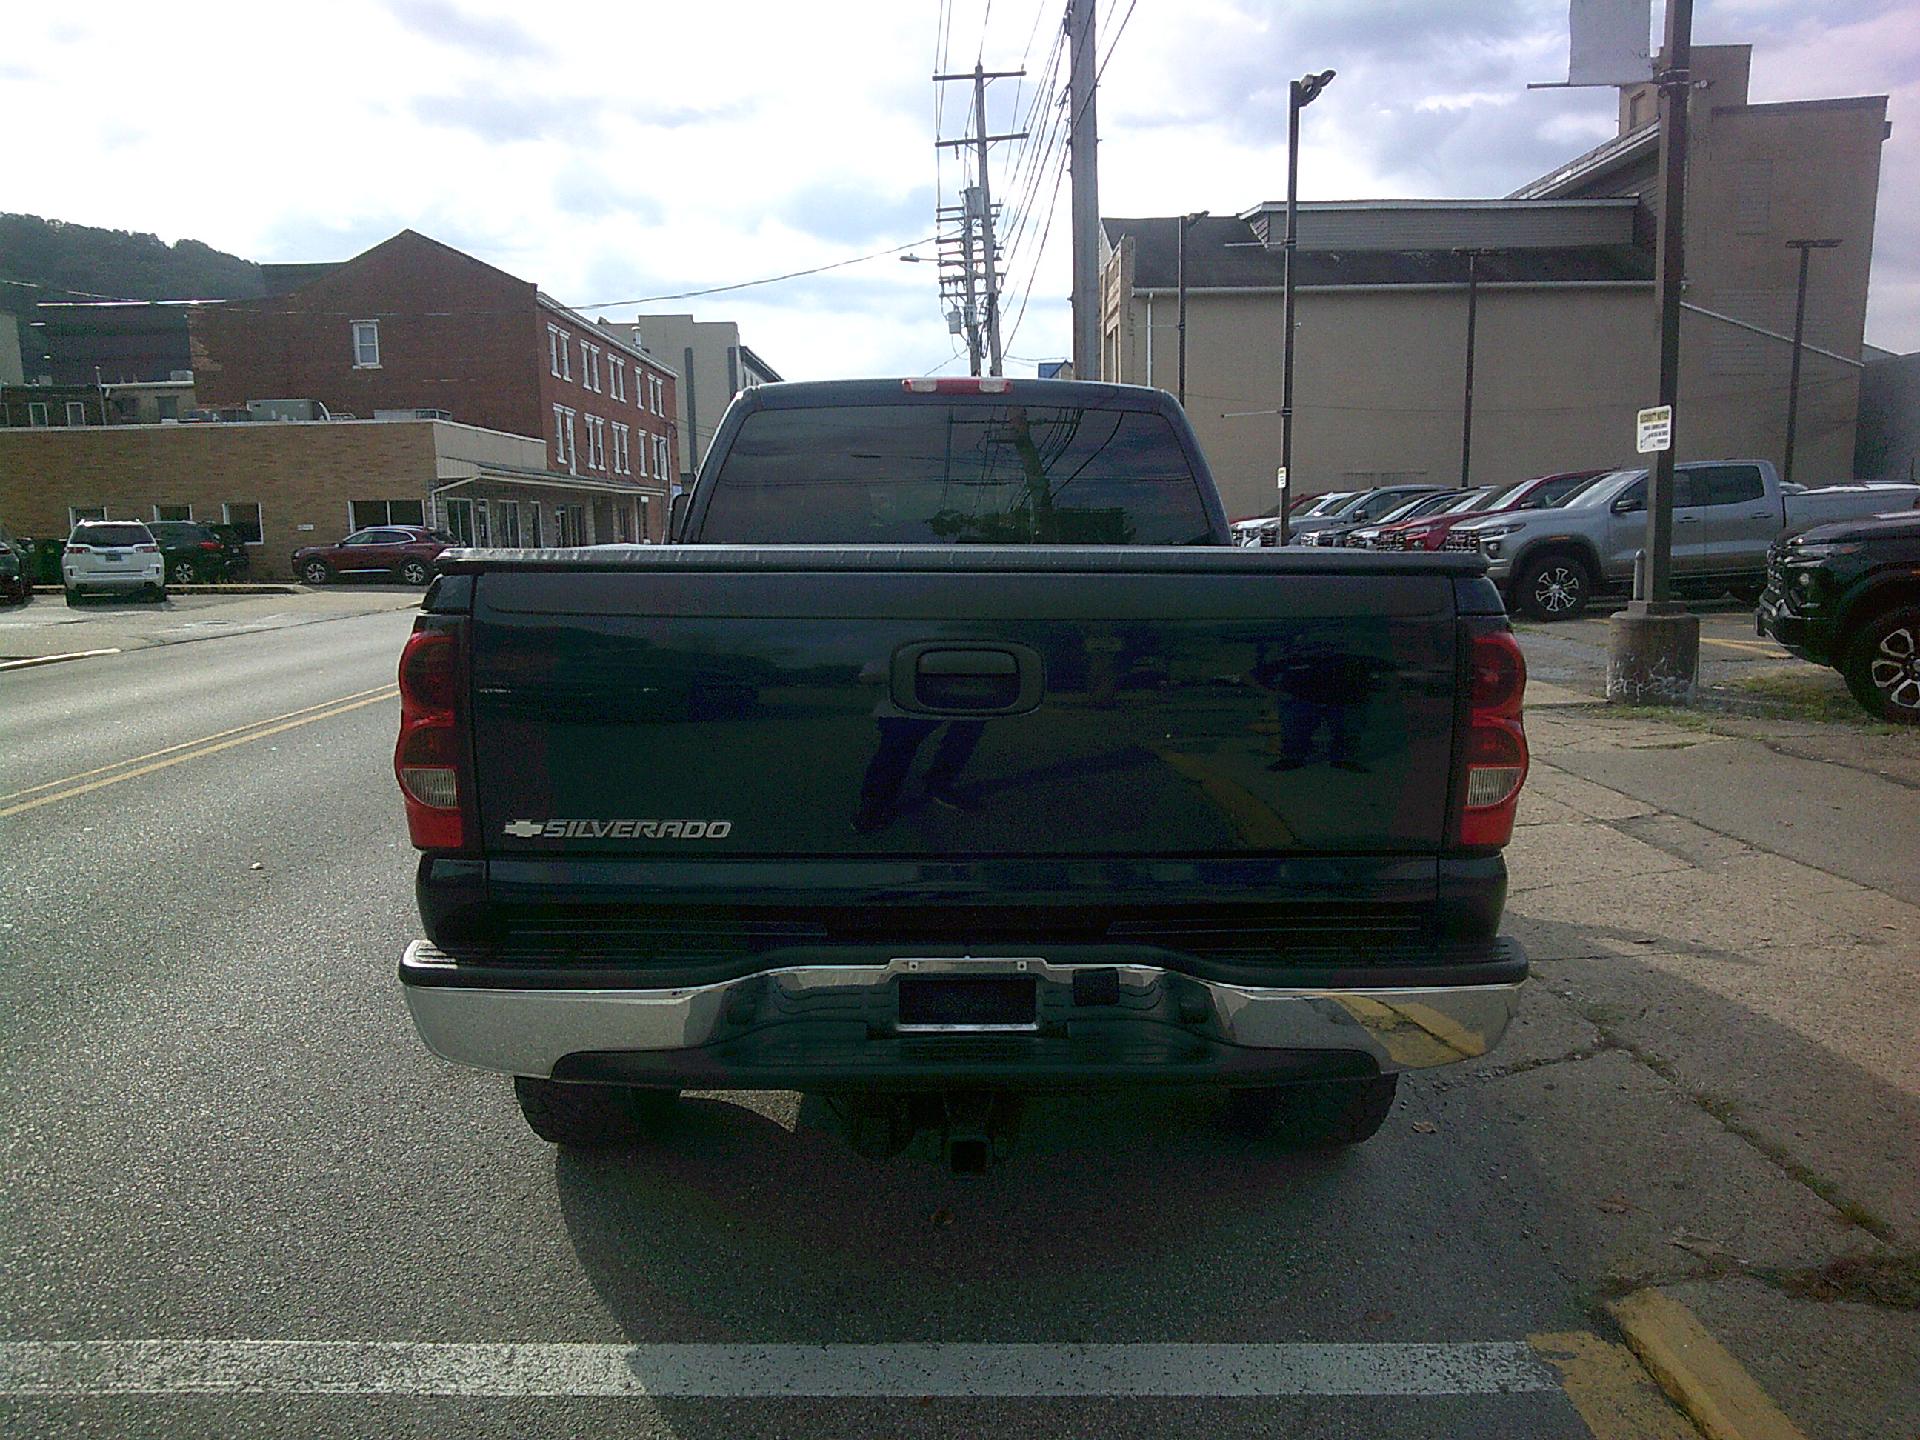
54, 260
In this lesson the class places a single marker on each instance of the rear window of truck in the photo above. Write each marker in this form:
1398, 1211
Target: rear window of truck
961, 474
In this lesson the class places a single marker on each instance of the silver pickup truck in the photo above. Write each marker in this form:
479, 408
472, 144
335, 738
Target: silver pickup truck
1550, 563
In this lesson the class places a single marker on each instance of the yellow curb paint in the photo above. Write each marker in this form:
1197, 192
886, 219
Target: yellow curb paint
248, 738
33, 660
1613, 1395
1696, 1370
1759, 647
190, 744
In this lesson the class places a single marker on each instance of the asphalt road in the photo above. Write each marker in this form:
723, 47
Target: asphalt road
222, 1129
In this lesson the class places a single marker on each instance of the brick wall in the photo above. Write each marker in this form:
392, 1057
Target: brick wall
299, 474
579, 373
455, 334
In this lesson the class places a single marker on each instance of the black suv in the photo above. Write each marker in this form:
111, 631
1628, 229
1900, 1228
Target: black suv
195, 555
1848, 595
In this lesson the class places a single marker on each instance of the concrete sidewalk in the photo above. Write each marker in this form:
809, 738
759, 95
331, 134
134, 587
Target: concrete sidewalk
48, 628
1716, 1064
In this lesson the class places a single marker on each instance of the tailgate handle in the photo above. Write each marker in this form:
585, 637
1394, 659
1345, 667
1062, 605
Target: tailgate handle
967, 679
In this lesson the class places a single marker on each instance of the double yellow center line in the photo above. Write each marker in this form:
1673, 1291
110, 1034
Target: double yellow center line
66, 788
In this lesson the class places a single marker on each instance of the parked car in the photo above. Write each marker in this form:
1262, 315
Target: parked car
15, 587
1362, 537
194, 554
1359, 509
112, 555
1848, 595
1430, 532
1264, 530
1726, 513
404, 552
233, 546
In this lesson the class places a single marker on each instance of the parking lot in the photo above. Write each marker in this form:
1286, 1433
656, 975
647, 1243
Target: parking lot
242, 1199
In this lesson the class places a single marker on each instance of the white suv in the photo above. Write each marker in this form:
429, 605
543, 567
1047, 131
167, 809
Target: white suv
115, 555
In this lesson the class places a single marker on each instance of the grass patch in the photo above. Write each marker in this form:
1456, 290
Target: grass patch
1804, 693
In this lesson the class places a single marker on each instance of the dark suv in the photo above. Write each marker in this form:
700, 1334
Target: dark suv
195, 555
404, 552
1848, 595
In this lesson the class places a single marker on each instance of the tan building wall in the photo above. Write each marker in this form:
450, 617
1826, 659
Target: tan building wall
303, 476
1378, 383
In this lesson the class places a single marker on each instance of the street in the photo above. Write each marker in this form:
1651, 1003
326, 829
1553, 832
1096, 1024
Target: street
242, 1199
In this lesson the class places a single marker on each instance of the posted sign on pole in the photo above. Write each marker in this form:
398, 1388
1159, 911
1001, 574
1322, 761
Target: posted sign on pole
1655, 430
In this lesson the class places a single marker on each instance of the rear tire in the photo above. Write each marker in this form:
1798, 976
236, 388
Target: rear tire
316, 572
1553, 587
1318, 1114
590, 1116
415, 573
73, 596
1882, 666
184, 573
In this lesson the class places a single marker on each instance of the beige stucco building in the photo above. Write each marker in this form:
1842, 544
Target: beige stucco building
1566, 343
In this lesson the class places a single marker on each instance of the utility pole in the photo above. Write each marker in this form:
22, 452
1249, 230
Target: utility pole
970, 316
1083, 156
1187, 222
989, 256
1806, 248
1653, 653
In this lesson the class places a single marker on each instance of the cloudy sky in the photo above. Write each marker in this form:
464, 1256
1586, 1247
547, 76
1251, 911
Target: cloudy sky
612, 152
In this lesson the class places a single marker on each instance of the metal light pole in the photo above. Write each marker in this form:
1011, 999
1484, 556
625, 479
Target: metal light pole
1300, 94
1187, 222
1466, 407
1805, 247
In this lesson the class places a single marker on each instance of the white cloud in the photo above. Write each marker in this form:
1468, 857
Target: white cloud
608, 152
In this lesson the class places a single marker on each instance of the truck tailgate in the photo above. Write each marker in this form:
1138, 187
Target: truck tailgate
964, 702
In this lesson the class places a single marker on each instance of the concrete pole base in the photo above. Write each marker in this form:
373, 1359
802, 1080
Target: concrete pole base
1653, 657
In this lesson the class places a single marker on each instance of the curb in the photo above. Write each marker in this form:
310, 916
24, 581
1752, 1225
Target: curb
1697, 1371
259, 589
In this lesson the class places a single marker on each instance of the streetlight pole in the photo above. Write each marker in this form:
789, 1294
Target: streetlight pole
1806, 248
1187, 222
1300, 94
1466, 407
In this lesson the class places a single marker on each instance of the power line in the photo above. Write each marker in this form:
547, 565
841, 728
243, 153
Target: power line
749, 284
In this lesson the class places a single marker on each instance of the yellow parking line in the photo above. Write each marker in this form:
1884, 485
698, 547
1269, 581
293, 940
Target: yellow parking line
189, 744
1615, 1397
1697, 1371
1760, 646
252, 735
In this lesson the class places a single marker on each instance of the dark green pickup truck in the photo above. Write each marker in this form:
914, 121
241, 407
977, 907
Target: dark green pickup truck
956, 754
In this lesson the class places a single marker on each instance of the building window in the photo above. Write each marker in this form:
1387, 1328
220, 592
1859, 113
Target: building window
556, 342
590, 366
561, 343
173, 512
619, 364
559, 436
623, 524
77, 513
366, 344
533, 524
457, 517
167, 407
646, 520
37, 414
244, 516
660, 457
76, 412
656, 394
573, 443
622, 449
363, 514
596, 443
506, 523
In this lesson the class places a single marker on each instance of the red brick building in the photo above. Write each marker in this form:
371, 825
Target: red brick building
414, 325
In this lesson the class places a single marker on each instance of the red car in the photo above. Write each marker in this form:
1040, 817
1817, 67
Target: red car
1429, 532
404, 552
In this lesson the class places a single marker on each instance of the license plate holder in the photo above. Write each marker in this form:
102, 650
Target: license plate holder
947, 1003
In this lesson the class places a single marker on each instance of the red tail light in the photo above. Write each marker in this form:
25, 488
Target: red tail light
959, 385
209, 544
1493, 764
146, 549
429, 759
79, 549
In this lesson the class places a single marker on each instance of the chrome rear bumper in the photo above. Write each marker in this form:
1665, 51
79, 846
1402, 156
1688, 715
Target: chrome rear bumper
1116, 1016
